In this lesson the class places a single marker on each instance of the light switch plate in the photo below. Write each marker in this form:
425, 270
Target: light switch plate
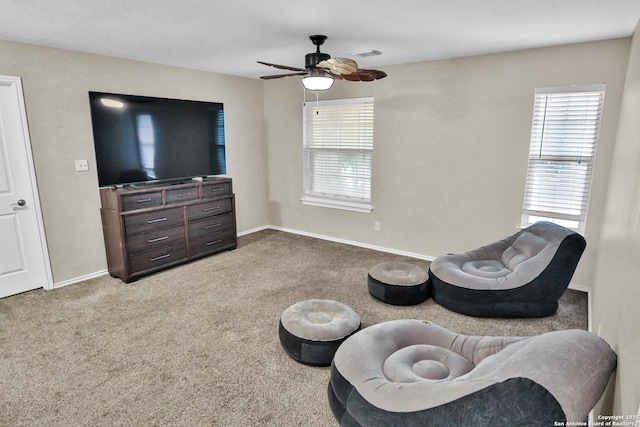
82, 166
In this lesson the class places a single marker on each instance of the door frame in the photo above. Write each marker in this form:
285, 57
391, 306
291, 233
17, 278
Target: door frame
16, 84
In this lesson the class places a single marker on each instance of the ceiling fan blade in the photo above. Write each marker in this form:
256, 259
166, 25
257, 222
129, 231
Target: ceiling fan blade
377, 74
358, 77
362, 75
282, 67
277, 76
339, 66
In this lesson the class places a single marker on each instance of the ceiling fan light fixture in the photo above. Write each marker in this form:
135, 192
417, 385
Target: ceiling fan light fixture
317, 80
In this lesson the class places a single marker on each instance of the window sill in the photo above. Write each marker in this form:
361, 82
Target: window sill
572, 224
337, 204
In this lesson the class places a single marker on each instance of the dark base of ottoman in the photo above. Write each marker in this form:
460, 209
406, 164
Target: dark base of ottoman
398, 295
313, 353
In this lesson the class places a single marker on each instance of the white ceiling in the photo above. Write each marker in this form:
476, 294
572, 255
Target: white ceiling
229, 36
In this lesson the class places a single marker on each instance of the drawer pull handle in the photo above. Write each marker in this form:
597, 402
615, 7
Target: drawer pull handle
215, 190
158, 239
210, 209
214, 242
184, 195
160, 257
143, 200
212, 226
151, 221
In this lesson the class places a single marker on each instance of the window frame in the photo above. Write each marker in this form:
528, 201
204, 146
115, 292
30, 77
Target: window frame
565, 158
328, 199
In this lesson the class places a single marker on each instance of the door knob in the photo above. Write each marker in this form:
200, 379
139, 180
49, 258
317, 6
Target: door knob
21, 202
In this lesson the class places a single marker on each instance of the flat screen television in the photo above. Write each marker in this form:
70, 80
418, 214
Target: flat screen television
141, 139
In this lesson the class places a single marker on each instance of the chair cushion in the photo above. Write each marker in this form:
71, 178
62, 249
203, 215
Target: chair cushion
486, 268
424, 362
526, 246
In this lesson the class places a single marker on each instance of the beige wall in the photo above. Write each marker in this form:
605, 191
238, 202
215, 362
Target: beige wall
451, 146
617, 275
55, 84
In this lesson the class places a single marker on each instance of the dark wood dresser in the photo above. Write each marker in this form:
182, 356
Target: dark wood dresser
154, 227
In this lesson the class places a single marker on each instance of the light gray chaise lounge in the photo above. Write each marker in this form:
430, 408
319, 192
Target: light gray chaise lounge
414, 373
522, 275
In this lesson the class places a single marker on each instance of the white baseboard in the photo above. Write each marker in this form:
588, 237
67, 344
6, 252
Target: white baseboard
254, 230
80, 279
581, 288
354, 243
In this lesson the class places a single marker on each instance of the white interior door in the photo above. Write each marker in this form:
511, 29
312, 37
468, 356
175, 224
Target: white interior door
24, 264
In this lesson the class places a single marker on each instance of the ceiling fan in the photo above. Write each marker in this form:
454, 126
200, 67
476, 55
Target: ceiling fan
321, 69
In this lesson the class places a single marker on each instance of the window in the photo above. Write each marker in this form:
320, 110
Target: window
564, 136
338, 149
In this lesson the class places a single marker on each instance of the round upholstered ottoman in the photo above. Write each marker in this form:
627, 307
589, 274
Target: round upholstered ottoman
311, 331
398, 283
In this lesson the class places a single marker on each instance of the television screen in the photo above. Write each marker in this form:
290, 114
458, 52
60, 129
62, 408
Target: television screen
140, 139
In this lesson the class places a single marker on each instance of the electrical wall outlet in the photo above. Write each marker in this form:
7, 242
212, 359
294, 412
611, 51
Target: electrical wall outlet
82, 165
377, 225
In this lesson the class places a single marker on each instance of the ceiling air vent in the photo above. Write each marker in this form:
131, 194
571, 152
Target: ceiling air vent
366, 52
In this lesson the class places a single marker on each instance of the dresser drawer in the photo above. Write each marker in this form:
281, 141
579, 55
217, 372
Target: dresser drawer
157, 258
216, 190
210, 225
204, 210
141, 200
213, 242
140, 223
156, 239
178, 195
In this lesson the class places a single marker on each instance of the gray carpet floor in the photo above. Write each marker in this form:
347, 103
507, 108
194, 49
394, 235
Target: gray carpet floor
198, 345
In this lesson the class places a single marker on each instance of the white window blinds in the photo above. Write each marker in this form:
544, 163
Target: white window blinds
338, 150
564, 136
